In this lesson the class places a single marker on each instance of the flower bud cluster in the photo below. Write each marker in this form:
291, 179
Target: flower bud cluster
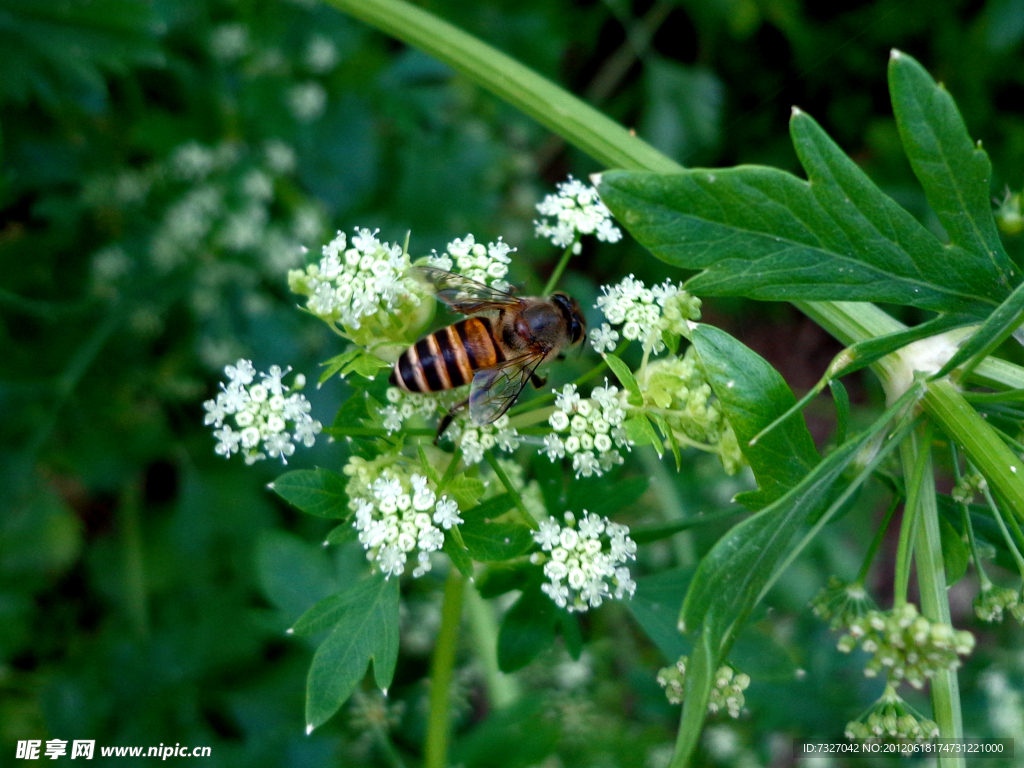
476, 439
261, 414
727, 693
841, 604
404, 405
891, 717
362, 287
591, 431
677, 389
575, 210
968, 487
992, 601
906, 644
644, 313
1008, 214
585, 561
487, 264
397, 512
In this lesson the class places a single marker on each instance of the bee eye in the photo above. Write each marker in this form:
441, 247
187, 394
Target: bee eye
575, 330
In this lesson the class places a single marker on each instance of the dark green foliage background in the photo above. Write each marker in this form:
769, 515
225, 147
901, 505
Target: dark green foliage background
145, 584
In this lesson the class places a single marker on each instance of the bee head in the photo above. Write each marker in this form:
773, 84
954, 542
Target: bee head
570, 309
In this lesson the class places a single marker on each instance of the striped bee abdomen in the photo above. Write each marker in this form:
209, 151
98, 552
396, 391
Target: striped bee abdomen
447, 358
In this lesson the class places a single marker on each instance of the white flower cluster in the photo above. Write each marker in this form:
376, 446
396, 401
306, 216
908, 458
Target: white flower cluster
358, 283
404, 405
643, 313
581, 569
487, 264
477, 439
261, 413
307, 101
575, 210
397, 513
595, 428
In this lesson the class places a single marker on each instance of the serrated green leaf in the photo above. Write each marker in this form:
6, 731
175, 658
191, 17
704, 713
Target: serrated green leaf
490, 509
319, 492
465, 490
495, 542
341, 534
955, 554
625, 377
336, 364
294, 574
366, 630
955, 173
527, 629
455, 548
351, 413
752, 394
366, 365
765, 234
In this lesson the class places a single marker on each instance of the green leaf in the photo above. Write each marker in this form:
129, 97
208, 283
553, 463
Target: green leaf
494, 542
465, 490
490, 509
358, 361
765, 234
700, 671
864, 353
341, 534
319, 492
366, 630
455, 548
955, 173
752, 395
655, 606
650, 533
669, 436
336, 364
842, 401
528, 629
640, 431
995, 330
501, 578
625, 377
293, 573
599, 497
955, 554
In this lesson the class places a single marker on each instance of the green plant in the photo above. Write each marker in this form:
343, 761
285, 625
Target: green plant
749, 231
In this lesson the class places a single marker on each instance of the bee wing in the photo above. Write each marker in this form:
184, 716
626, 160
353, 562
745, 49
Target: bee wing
462, 294
495, 389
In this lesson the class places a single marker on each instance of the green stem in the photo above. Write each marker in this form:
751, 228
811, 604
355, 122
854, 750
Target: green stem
442, 667
1003, 469
918, 473
876, 542
965, 515
449, 473
502, 689
560, 268
129, 514
931, 581
1003, 529
530, 520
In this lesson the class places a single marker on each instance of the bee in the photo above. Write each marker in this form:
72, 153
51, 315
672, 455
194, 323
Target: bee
497, 349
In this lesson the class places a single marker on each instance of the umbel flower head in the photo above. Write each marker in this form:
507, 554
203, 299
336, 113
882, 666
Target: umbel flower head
404, 405
585, 561
590, 431
262, 413
397, 512
842, 604
575, 210
363, 289
992, 601
487, 264
644, 313
678, 389
906, 644
891, 717
727, 693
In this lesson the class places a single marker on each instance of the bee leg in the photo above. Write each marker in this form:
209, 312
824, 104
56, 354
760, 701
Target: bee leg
447, 419
538, 381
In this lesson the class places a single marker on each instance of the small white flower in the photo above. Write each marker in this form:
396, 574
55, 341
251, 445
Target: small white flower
447, 513
487, 264
321, 54
604, 338
575, 210
593, 425
307, 101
